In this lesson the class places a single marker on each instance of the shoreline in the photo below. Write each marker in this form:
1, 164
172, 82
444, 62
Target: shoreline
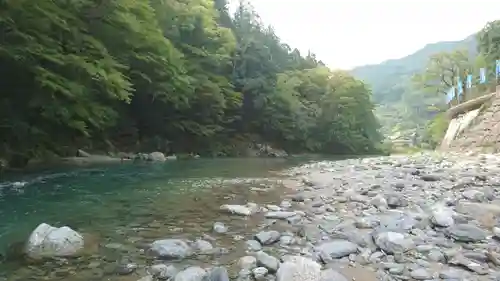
419, 217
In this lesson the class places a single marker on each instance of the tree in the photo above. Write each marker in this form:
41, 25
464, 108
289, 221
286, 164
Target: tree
176, 76
443, 70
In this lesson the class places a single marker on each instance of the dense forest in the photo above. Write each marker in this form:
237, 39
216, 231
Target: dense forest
177, 76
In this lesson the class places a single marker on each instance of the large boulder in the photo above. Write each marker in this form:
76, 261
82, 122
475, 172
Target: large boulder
48, 241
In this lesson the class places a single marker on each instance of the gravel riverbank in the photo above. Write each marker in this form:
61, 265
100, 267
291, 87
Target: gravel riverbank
420, 217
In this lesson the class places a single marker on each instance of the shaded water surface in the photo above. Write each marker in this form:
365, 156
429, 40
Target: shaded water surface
121, 208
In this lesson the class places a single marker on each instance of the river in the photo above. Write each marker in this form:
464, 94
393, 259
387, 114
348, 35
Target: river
427, 216
122, 206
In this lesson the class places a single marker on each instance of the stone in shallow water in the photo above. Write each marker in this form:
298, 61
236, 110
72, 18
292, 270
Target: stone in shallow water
219, 227
171, 249
337, 248
49, 241
237, 210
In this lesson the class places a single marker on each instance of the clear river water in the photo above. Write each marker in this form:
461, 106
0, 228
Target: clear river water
120, 208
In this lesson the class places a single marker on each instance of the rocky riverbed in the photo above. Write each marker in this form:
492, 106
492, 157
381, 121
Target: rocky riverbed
420, 217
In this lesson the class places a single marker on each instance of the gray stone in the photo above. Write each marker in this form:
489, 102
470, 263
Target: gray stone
236, 210
337, 248
267, 237
171, 249
219, 228
193, 273
247, 262
217, 274
279, 215
253, 245
47, 241
466, 233
420, 274
267, 261
393, 242
297, 268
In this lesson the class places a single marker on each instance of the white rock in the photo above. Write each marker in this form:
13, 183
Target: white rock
297, 268
236, 209
49, 241
157, 157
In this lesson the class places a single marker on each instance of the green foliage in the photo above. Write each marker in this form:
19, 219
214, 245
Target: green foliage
400, 103
436, 129
170, 75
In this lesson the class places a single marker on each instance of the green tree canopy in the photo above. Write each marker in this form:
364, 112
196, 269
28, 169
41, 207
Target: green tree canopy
169, 75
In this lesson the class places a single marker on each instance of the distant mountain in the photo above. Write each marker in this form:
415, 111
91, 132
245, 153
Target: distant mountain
388, 78
399, 107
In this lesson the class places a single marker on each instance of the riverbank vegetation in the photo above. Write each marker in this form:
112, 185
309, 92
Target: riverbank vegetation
444, 68
172, 76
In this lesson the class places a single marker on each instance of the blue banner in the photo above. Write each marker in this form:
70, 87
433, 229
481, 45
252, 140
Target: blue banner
469, 81
497, 72
482, 75
460, 87
450, 95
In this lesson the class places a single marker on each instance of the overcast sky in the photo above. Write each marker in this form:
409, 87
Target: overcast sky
348, 33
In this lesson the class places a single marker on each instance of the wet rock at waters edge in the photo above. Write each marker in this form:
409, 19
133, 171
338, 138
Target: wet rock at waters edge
171, 249
236, 209
157, 157
48, 241
219, 227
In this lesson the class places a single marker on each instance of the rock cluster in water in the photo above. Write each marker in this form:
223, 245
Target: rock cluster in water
422, 217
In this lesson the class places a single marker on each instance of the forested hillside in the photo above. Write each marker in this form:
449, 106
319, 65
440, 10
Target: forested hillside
171, 75
401, 105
